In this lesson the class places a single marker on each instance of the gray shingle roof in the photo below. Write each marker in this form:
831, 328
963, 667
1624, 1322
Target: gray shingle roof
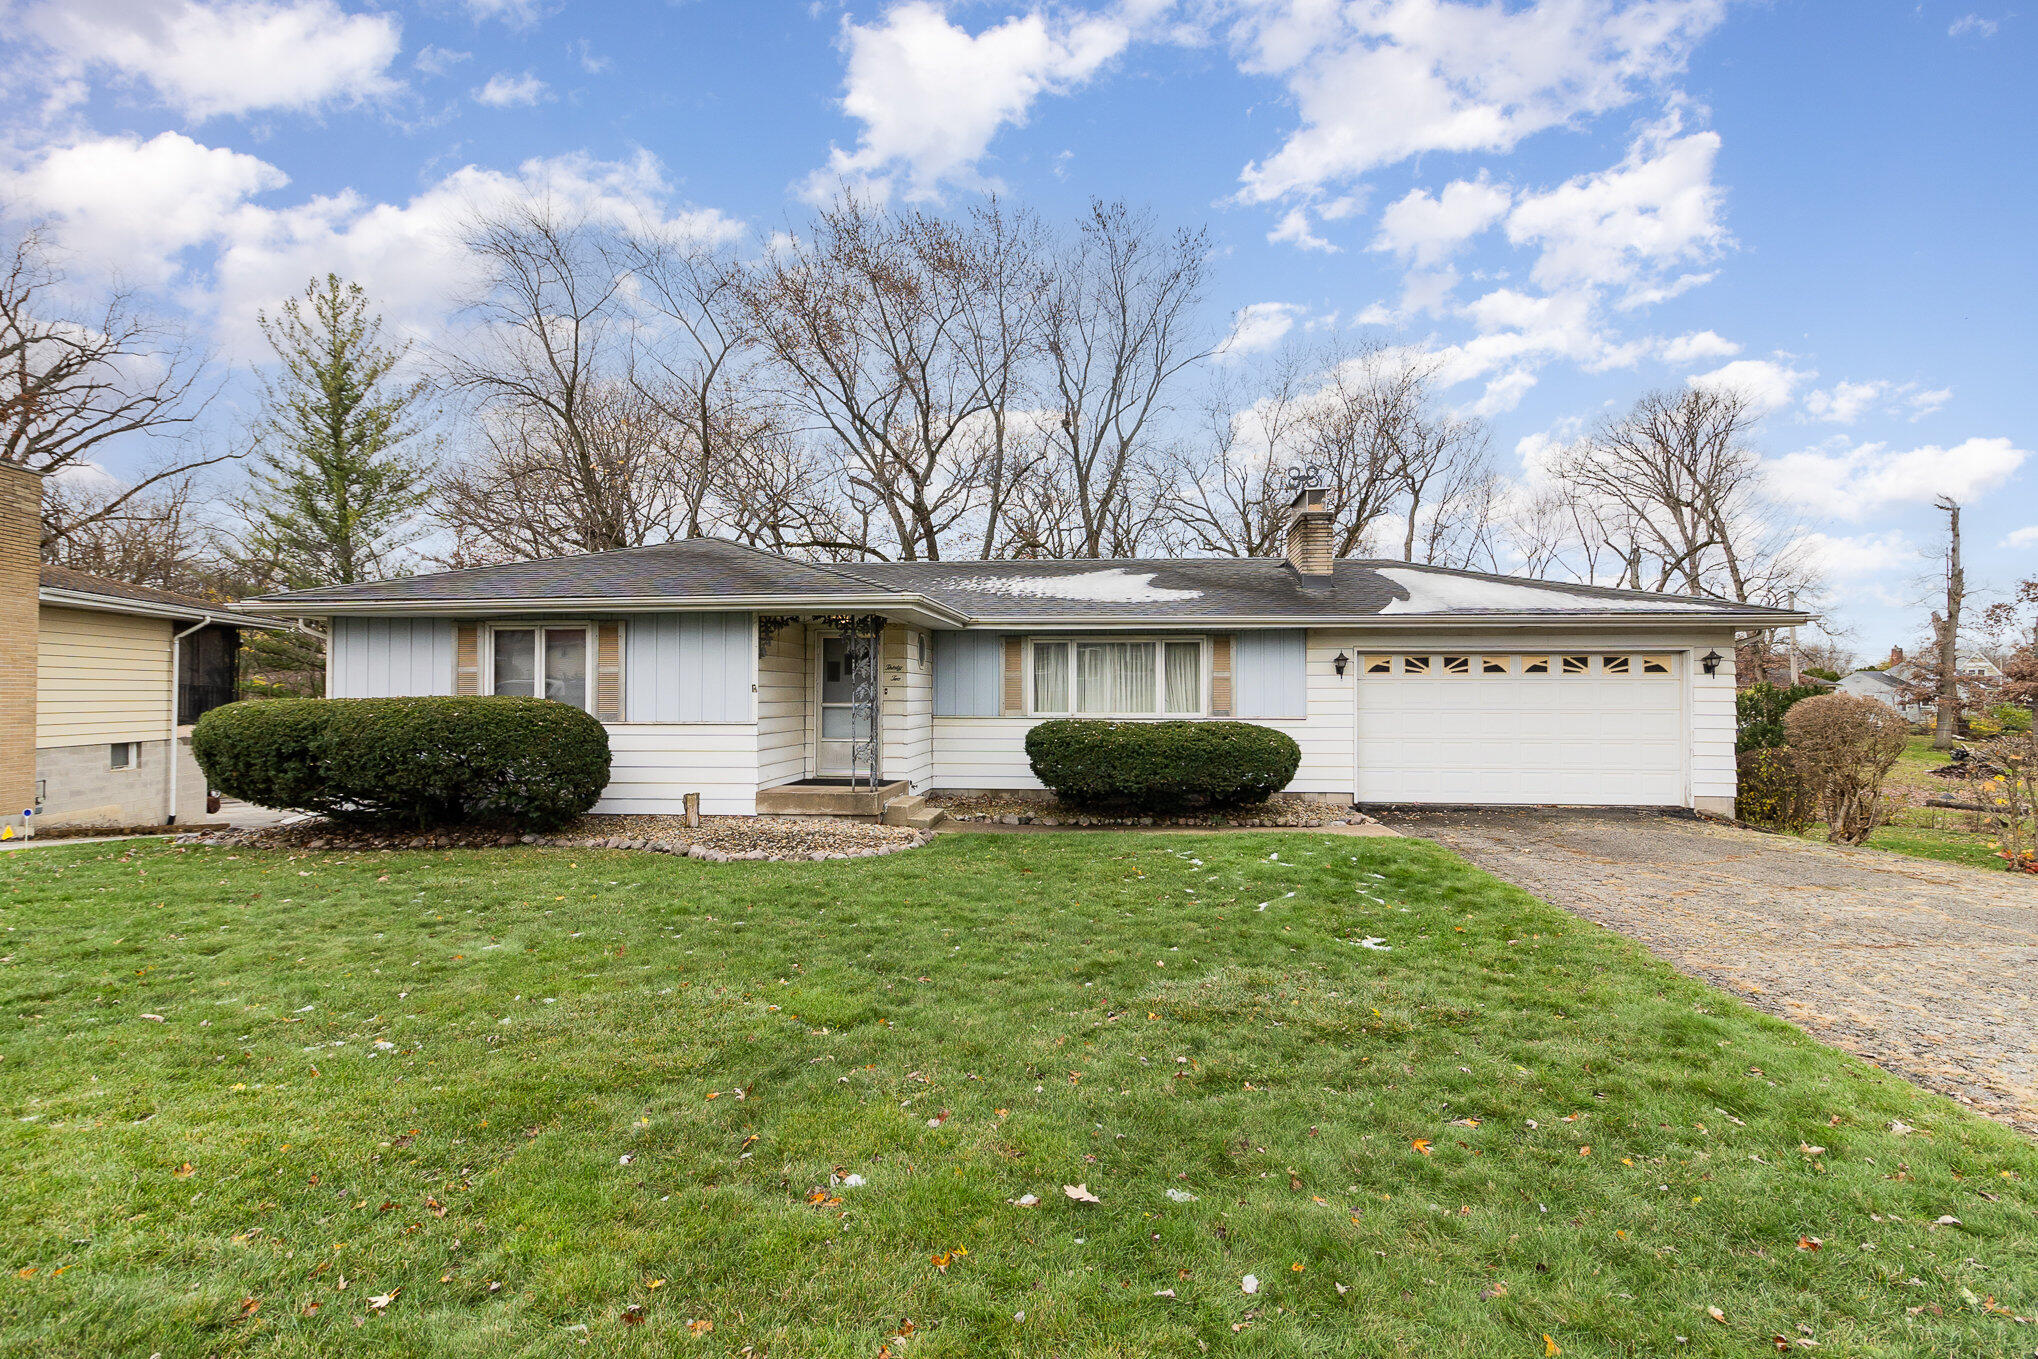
698, 572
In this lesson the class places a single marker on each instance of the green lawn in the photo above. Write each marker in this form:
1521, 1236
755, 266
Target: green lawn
514, 1094
1927, 832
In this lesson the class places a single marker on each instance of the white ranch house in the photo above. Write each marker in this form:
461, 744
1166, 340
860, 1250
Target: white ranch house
738, 675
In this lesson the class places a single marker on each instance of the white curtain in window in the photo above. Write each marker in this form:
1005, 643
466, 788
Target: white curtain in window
1050, 677
1183, 677
1115, 677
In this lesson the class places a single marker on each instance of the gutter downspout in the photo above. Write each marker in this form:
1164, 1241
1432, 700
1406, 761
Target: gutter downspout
176, 671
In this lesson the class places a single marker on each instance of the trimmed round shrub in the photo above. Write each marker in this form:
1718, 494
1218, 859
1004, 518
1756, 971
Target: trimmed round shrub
1161, 766
518, 763
265, 751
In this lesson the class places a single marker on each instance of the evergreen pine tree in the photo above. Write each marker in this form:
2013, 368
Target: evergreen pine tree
341, 456
341, 466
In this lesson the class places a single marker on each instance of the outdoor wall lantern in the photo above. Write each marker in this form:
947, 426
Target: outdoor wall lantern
1711, 661
1340, 663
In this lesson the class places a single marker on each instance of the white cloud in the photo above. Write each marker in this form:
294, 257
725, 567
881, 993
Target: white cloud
584, 53
1849, 480
1843, 402
1698, 346
1767, 383
1974, 24
514, 13
1844, 558
1260, 326
1426, 230
1629, 228
1295, 229
2023, 537
504, 91
1846, 402
436, 61
407, 255
237, 56
931, 95
129, 208
1379, 82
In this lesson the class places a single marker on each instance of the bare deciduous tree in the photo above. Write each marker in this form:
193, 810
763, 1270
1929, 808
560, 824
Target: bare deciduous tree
153, 538
74, 385
868, 320
1119, 326
1677, 481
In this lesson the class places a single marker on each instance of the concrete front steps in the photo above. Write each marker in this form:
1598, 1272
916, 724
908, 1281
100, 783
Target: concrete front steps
913, 811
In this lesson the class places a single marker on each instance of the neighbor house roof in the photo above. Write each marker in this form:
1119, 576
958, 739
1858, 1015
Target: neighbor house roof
61, 586
706, 573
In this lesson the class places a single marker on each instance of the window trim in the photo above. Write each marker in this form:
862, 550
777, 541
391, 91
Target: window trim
1160, 676
134, 757
587, 629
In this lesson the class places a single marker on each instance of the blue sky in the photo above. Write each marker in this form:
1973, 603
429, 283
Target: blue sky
1571, 200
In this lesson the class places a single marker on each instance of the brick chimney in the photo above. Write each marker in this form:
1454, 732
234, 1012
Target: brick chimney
20, 586
1896, 656
1309, 550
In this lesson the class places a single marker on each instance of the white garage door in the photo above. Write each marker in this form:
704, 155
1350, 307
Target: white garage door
1588, 729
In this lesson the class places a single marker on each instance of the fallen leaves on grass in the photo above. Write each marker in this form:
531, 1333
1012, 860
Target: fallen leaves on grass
700, 1326
1550, 1347
183, 1172
1717, 1315
1025, 1201
1080, 1193
380, 1302
633, 1315
1421, 1144
1810, 1243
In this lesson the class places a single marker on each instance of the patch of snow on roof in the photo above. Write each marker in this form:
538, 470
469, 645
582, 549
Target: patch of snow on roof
1440, 592
1113, 586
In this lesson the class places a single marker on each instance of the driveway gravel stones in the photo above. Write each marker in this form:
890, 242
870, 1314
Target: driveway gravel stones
1928, 970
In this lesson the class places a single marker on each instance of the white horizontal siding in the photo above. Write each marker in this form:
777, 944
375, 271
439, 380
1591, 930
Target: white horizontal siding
653, 768
782, 691
908, 707
982, 752
1714, 724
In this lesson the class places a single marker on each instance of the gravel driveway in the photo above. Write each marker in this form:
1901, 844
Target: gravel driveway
1928, 970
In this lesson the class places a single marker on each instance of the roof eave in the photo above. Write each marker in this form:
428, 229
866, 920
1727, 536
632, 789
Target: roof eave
1384, 621
229, 615
912, 607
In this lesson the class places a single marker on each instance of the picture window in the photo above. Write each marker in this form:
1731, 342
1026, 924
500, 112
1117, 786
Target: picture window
541, 663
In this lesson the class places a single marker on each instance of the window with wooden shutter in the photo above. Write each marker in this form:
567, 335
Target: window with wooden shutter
608, 672
1014, 700
467, 659
1220, 675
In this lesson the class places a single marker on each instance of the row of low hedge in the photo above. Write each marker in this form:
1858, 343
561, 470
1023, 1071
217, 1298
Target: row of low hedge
520, 763
1157, 766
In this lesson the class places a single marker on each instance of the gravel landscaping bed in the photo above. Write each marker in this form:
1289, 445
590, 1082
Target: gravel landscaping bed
1280, 810
720, 839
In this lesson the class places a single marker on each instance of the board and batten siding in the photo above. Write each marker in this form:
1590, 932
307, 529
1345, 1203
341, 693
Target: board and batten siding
969, 674
690, 667
907, 716
1268, 673
784, 682
390, 657
101, 677
653, 768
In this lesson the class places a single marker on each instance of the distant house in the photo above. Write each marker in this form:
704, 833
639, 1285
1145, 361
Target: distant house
1890, 684
100, 682
1885, 687
761, 682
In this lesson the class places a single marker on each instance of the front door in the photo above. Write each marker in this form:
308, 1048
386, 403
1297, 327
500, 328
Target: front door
835, 753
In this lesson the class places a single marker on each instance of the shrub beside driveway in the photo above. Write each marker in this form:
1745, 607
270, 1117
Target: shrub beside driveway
505, 1095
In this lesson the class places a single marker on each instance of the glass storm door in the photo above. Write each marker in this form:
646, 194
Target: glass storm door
835, 754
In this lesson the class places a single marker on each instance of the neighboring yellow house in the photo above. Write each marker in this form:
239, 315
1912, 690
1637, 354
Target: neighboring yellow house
99, 682
121, 671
